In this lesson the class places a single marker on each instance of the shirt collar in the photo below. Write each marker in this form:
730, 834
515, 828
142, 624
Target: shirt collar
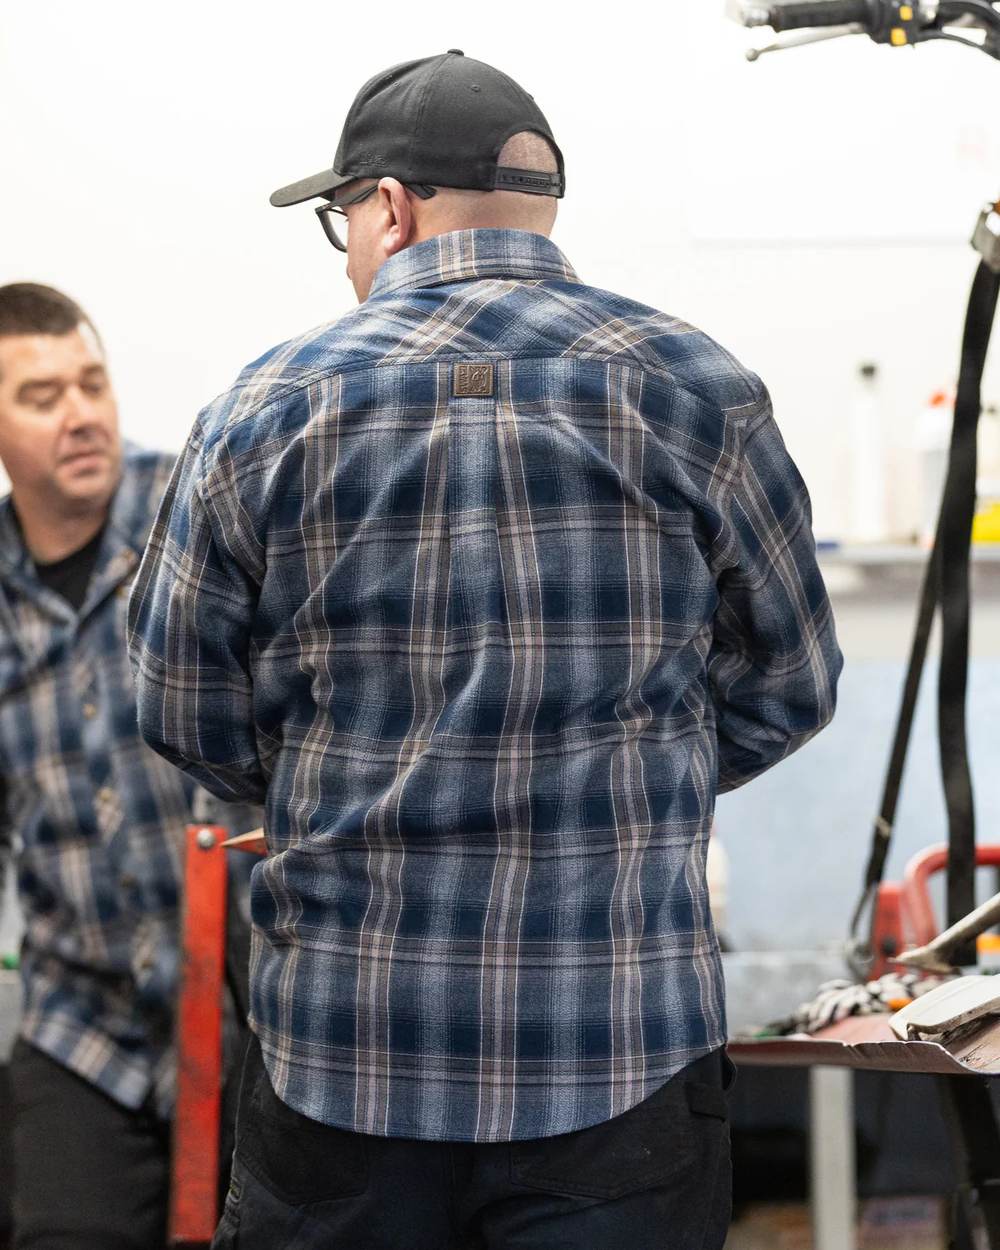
465, 254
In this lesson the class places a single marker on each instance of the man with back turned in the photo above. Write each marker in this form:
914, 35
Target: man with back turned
485, 591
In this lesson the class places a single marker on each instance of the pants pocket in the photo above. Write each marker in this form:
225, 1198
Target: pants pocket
707, 1100
299, 1160
675, 1131
227, 1234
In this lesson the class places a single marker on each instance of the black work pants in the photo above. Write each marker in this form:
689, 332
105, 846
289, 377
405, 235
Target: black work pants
88, 1174
656, 1178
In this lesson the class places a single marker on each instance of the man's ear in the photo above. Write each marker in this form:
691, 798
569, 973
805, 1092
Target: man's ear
394, 202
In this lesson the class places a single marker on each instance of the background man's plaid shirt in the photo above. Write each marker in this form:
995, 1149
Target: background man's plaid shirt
98, 817
486, 659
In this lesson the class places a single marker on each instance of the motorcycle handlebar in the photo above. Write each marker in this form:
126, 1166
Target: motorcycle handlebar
816, 13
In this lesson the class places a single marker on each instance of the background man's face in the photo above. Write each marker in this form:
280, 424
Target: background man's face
59, 439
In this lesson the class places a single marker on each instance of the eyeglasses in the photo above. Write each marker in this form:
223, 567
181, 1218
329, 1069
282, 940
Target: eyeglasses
328, 212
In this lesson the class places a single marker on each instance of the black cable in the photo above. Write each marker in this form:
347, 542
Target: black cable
933, 36
960, 492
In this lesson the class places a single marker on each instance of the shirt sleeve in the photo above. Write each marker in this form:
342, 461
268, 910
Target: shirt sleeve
189, 632
774, 661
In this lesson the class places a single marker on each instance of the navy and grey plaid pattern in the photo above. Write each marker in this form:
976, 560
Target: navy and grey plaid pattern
95, 819
487, 659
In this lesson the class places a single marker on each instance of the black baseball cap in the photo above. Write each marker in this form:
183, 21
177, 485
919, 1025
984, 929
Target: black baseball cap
440, 121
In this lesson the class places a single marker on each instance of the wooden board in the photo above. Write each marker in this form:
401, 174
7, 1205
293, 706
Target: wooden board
253, 842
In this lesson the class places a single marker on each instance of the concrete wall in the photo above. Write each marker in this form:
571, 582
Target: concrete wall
798, 838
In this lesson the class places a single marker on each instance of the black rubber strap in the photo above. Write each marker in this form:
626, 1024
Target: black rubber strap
956, 536
886, 819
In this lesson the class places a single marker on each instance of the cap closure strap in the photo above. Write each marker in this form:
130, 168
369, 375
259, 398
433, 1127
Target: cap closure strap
530, 181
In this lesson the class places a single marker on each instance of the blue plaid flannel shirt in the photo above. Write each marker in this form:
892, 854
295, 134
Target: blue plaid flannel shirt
94, 819
486, 643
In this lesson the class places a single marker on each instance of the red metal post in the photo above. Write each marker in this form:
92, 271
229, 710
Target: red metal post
195, 1166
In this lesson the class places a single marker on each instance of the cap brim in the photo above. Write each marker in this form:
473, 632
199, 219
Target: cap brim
325, 184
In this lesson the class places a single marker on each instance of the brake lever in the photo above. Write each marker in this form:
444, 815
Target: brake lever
804, 39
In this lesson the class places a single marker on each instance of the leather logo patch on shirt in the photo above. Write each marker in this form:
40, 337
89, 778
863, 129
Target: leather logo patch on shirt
472, 381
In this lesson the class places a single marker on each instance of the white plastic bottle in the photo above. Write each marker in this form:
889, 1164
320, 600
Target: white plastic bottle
933, 441
868, 520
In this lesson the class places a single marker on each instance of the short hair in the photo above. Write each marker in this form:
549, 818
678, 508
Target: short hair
529, 150
30, 308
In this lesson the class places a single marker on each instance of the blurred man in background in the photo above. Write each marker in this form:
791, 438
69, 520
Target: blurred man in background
487, 590
93, 819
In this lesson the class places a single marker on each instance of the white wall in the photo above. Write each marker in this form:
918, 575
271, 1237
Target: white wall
810, 211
